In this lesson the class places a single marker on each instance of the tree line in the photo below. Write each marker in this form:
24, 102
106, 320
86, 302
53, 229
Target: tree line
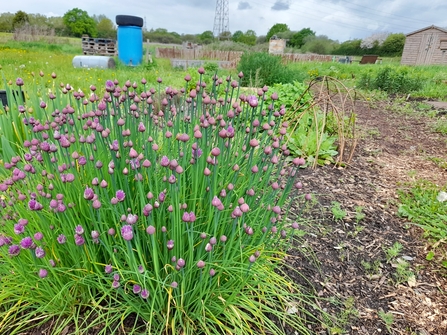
77, 22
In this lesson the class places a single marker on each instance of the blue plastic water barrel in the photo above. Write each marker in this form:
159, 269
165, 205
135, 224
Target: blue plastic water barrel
130, 39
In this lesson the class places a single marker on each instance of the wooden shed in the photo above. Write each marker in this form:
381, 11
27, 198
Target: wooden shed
425, 46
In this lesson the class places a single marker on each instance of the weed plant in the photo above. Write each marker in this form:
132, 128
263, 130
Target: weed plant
167, 206
261, 69
419, 204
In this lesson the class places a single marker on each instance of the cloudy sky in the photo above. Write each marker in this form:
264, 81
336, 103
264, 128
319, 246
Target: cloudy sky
338, 19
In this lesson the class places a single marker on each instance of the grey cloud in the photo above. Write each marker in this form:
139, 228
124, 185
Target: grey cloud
243, 5
281, 5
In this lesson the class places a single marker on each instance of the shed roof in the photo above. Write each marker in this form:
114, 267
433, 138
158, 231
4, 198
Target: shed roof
426, 28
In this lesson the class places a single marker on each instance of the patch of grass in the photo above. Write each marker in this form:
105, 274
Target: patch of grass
419, 204
440, 126
441, 163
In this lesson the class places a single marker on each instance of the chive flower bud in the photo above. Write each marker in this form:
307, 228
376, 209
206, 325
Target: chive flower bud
127, 232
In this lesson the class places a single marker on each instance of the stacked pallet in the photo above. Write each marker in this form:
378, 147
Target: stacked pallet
98, 46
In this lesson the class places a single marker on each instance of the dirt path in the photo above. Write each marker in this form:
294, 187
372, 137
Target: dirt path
395, 147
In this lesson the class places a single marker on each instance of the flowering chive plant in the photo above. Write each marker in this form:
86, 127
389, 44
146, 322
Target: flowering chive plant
168, 204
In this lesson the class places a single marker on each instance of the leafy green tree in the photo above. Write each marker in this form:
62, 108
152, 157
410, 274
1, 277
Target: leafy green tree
320, 44
57, 23
6, 22
249, 37
351, 47
78, 23
225, 36
206, 37
393, 45
275, 29
237, 36
38, 20
106, 28
298, 38
20, 18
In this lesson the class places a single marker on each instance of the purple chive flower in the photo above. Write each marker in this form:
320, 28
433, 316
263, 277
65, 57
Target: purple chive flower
196, 153
212, 272
308, 197
116, 277
170, 244
115, 284
27, 243
174, 284
181, 262
89, 193
144, 294
13, 250
120, 195
79, 240
164, 161
140, 269
253, 101
200, 264
5, 240
131, 219
136, 289
40, 253
127, 232
295, 225
79, 230
108, 268
61, 239
38, 236
19, 229
43, 273
252, 259
52, 263
95, 234
150, 230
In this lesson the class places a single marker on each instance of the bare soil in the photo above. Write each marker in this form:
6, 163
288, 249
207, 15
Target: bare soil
395, 148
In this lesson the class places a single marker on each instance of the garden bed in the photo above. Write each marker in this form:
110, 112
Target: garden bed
395, 148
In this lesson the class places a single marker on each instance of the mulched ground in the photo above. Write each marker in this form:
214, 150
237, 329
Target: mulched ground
394, 148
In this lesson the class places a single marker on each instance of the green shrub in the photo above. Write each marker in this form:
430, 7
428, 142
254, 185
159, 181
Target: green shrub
309, 134
261, 69
393, 80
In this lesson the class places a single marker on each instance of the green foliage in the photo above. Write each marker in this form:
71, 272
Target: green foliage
402, 80
206, 37
261, 69
249, 37
20, 18
106, 28
351, 47
275, 29
78, 23
297, 40
308, 136
318, 44
419, 204
359, 215
153, 226
6, 24
403, 271
440, 126
337, 212
162, 35
393, 251
393, 45
387, 318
